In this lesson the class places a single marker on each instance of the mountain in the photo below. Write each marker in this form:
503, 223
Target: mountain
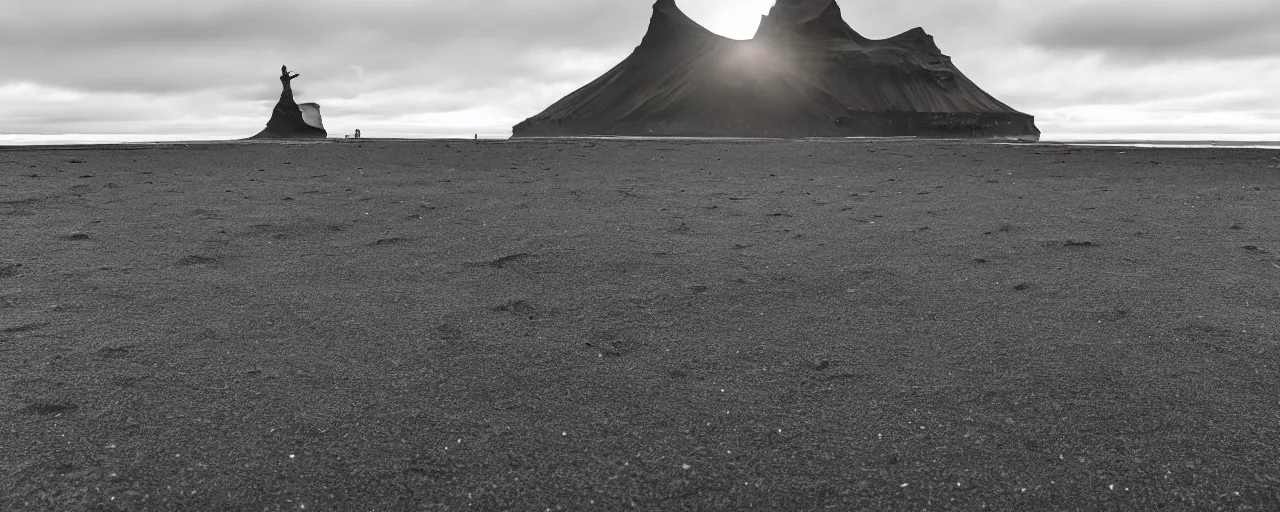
806, 73
290, 120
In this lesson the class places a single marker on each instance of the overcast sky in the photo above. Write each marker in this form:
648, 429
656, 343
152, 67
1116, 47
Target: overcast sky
1181, 69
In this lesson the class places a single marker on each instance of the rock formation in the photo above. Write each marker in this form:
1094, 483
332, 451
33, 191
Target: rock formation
806, 73
290, 120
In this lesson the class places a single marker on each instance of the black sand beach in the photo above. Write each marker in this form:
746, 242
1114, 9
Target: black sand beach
658, 325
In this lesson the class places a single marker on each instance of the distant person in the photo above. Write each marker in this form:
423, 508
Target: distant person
286, 78
357, 133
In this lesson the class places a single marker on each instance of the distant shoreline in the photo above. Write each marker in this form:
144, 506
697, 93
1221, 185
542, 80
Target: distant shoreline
1122, 143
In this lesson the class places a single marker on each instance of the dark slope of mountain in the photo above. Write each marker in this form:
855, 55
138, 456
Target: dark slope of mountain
806, 73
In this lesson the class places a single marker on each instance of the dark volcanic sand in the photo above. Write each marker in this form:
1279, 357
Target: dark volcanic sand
652, 324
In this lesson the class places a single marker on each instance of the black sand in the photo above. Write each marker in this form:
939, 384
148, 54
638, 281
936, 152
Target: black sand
664, 325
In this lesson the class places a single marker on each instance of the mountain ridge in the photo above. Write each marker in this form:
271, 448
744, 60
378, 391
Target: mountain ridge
806, 73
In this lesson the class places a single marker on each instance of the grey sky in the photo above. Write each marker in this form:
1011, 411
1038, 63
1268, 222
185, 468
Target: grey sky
1170, 68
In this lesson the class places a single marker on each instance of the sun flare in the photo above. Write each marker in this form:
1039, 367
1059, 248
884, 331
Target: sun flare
736, 20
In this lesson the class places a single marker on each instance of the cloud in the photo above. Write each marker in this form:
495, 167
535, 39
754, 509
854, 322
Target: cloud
1145, 29
163, 46
445, 67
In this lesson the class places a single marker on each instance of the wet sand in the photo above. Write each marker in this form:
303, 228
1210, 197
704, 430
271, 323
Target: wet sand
608, 324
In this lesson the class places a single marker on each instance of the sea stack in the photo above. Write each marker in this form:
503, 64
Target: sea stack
806, 73
290, 120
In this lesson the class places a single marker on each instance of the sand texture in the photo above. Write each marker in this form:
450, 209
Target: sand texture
664, 325
806, 73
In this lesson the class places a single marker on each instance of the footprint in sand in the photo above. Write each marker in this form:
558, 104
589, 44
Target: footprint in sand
18, 203
49, 408
1109, 316
613, 343
523, 308
21, 328
120, 352
503, 262
506, 260
194, 260
449, 332
1074, 244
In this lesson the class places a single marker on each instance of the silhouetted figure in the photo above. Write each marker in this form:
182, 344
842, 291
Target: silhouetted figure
357, 133
290, 120
286, 79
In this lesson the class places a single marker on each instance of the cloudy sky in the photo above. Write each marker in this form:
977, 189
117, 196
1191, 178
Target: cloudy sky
180, 69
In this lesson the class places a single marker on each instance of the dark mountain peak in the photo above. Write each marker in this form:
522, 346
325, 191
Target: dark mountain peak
807, 73
798, 11
671, 25
917, 39
806, 18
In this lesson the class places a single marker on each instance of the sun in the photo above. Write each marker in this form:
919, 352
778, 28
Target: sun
735, 19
